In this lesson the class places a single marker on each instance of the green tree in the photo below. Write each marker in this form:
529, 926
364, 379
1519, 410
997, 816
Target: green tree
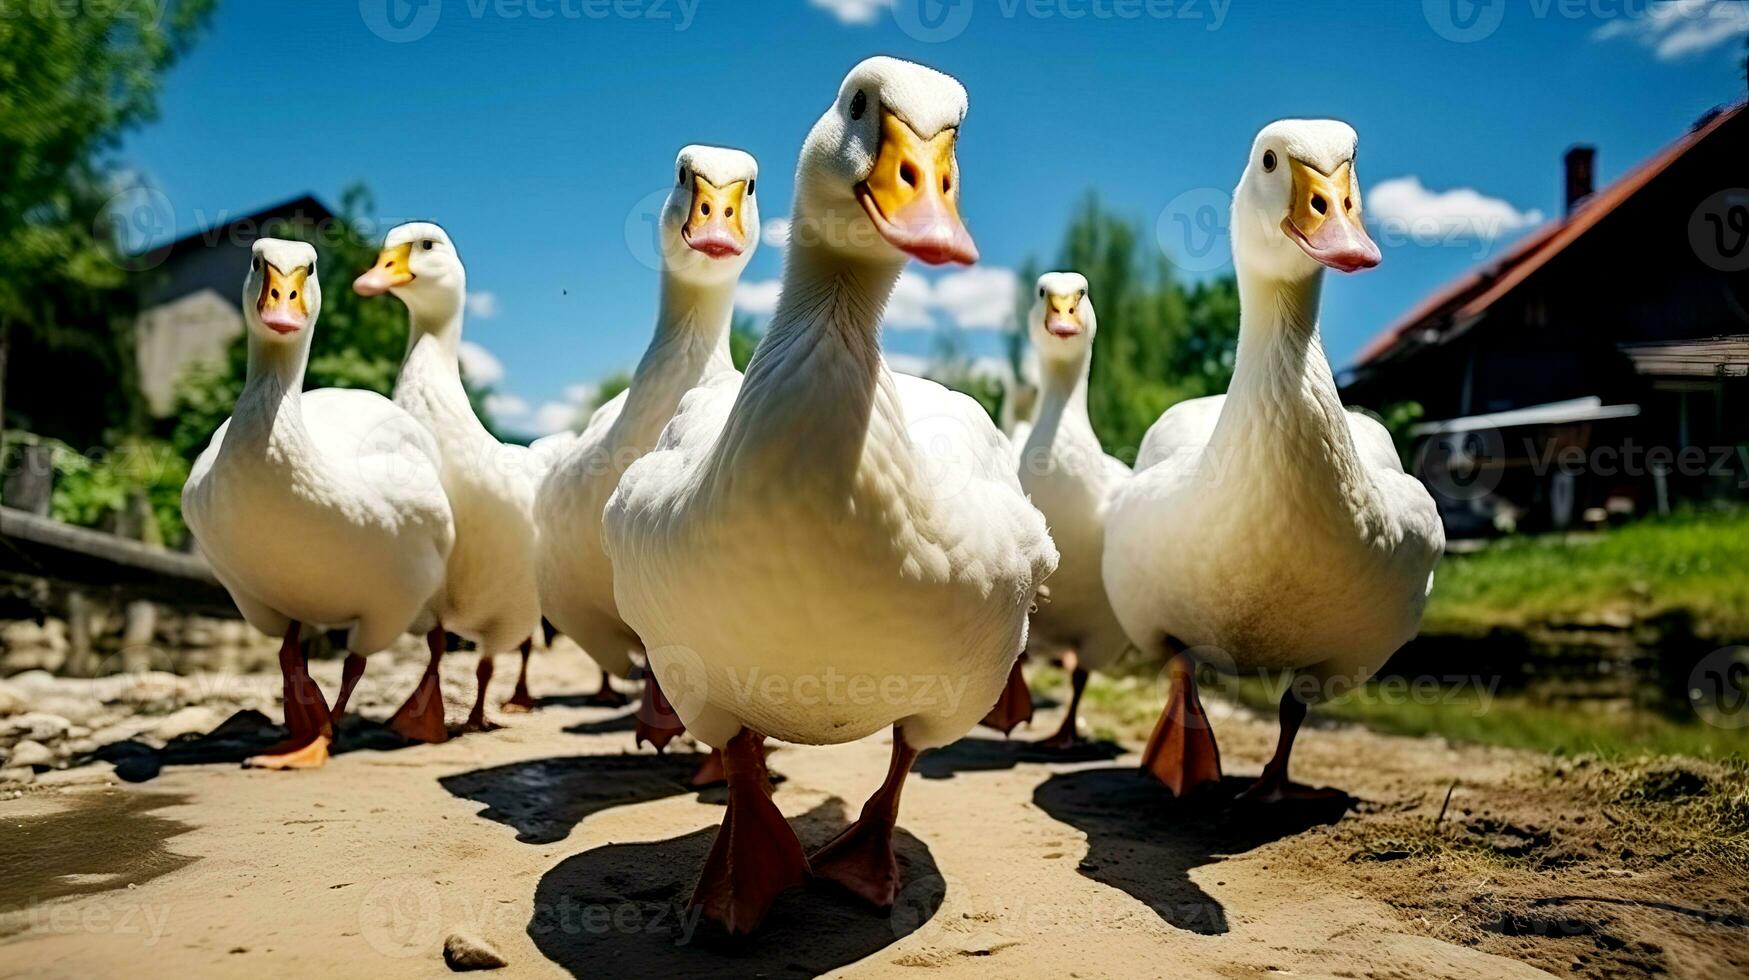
743, 338
1159, 342
72, 83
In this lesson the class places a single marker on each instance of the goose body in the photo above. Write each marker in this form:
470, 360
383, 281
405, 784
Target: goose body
703, 257
1270, 529
320, 509
829, 549
1070, 479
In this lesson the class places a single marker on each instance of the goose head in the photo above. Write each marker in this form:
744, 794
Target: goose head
419, 265
1298, 207
281, 296
878, 178
710, 222
1062, 323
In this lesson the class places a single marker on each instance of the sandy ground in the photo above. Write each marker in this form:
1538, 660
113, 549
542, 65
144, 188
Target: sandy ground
558, 845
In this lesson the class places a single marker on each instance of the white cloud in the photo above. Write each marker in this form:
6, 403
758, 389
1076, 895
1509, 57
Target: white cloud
854, 11
554, 417
1403, 207
758, 297
908, 309
582, 393
986, 366
483, 304
1678, 28
775, 232
480, 365
976, 299
979, 297
506, 406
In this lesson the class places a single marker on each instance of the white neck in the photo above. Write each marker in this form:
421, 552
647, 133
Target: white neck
1062, 400
815, 380
1283, 415
437, 326
268, 408
690, 345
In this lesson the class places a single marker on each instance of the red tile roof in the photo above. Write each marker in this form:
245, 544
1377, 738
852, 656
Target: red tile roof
1465, 299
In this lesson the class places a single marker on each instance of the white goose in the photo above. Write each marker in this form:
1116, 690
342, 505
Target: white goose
488, 593
709, 231
1070, 480
833, 549
1269, 528
316, 509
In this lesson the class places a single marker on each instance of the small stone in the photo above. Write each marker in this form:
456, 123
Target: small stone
22, 774
38, 726
12, 700
193, 720
465, 952
29, 753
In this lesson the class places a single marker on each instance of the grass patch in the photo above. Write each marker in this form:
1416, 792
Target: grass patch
1691, 562
1609, 729
1124, 708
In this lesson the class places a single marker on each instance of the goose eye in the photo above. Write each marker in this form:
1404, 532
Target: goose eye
1269, 161
255, 264
859, 105
680, 181
750, 185
1041, 292
426, 244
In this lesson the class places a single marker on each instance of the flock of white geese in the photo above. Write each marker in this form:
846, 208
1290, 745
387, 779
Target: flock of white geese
822, 549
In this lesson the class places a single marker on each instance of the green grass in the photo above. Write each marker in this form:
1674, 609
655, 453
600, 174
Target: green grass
1612, 730
1695, 562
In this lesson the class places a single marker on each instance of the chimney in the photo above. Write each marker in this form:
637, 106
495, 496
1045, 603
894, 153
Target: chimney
1581, 168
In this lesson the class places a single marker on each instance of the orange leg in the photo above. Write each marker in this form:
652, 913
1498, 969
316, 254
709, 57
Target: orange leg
306, 714
861, 858
710, 771
1182, 752
349, 675
421, 717
1067, 737
1015, 704
756, 856
1274, 786
482, 680
605, 696
519, 699
657, 723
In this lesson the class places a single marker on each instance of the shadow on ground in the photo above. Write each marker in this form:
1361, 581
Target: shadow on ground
545, 798
989, 754
620, 911
244, 734
624, 722
104, 841
1143, 841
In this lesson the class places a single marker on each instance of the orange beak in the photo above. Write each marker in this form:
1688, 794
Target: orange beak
715, 225
394, 267
910, 195
283, 303
1325, 221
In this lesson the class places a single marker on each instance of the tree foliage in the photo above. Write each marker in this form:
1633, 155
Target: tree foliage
1160, 341
73, 82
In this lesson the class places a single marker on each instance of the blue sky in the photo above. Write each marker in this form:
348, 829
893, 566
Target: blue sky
539, 132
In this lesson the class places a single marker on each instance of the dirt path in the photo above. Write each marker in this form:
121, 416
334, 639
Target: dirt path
552, 842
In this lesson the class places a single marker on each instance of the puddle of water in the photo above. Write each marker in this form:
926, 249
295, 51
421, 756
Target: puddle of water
101, 842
